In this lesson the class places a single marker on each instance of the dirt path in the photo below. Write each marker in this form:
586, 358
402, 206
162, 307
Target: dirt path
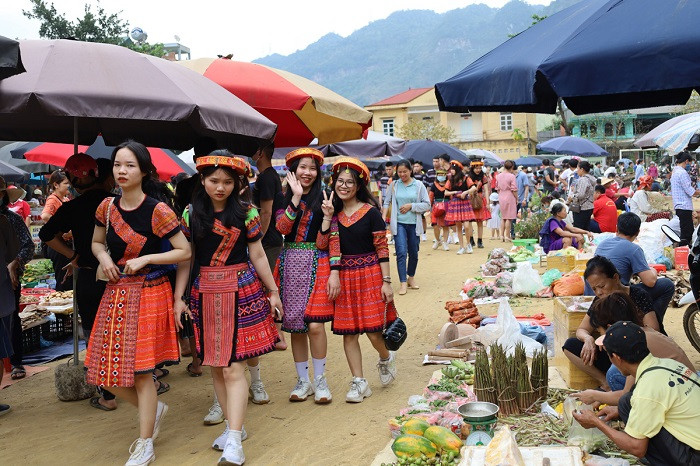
42, 430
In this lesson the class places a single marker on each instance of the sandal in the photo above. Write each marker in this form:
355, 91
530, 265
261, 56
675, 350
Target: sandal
163, 373
191, 372
18, 372
163, 387
95, 403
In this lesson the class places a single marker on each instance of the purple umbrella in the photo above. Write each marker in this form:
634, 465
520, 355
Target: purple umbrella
571, 145
73, 91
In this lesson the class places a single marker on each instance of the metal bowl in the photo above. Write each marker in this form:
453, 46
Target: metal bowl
476, 411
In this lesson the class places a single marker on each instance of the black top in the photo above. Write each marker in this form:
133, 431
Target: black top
138, 232
77, 216
222, 245
267, 187
357, 233
439, 194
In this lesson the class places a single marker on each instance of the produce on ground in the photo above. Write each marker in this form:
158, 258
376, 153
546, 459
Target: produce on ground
504, 380
436, 445
445, 440
483, 381
459, 371
539, 376
524, 392
498, 261
521, 254
414, 426
413, 446
477, 288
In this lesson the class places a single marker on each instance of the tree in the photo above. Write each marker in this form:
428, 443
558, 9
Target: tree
518, 134
97, 26
426, 129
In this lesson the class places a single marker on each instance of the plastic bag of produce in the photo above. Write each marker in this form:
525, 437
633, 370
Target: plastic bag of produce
588, 439
526, 280
570, 284
549, 276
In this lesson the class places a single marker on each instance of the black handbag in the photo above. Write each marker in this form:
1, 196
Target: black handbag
395, 334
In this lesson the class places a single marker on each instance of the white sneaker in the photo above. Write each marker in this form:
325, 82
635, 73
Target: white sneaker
233, 453
450, 240
469, 249
258, 393
461, 251
302, 390
141, 452
445, 247
323, 393
455, 238
423, 237
391, 241
436, 244
387, 369
215, 416
359, 390
220, 441
161, 411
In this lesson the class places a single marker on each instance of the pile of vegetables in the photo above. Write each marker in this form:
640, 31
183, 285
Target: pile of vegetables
502, 286
570, 251
498, 261
459, 371
37, 270
521, 254
423, 444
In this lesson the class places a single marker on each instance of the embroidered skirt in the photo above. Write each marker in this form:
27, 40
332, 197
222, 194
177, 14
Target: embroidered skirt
301, 274
459, 210
134, 331
232, 314
484, 213
359, 308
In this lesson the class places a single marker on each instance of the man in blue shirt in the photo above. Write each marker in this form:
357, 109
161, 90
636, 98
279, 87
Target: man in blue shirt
523, 187
682, 192
629, 260
639, 170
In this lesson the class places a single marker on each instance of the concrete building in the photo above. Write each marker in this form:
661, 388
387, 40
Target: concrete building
509, 135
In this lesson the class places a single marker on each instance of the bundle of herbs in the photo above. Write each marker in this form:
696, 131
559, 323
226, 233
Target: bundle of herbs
539, 377
483, 381
503, 377
524, 392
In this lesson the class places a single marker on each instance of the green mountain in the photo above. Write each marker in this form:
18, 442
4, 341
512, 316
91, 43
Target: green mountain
408, 49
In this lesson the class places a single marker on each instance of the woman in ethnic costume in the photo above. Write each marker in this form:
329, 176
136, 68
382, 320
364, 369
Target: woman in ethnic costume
459, 209
303, 272
358, 249
134, 330
478, 183
227, 302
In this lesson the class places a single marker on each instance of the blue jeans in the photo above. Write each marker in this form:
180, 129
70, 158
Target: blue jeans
406, 243
615, 378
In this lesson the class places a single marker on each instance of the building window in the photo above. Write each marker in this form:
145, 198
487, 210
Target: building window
621, 129
506, 122
584, 129
512, 150
593, 130
388, 127
608, 129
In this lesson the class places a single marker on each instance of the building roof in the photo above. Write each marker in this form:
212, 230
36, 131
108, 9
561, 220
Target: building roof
403, 97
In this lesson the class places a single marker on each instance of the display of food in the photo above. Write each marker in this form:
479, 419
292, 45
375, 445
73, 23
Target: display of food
421, 443
57, 298
521, 254
38, 270
498, 261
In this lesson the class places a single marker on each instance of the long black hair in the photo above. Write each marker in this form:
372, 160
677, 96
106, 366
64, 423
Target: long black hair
615, 307
363, 194
202, 215
150, 184
458, 178
313, 198
406, 164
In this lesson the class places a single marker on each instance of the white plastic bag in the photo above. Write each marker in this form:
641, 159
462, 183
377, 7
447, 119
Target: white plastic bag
526, 280
651, 238
506, 331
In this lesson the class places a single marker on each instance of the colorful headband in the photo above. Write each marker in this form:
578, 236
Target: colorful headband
301, 153
476, 163
457, 163
237, 164
351, 162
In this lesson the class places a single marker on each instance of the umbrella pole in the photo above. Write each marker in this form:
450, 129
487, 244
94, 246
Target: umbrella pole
75, 278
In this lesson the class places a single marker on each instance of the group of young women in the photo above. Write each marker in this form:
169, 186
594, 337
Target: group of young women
334, 267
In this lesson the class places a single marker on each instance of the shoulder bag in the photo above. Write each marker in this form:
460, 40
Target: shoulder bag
475, 199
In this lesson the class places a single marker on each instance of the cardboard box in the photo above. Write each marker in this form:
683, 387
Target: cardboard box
562, 263
565, 323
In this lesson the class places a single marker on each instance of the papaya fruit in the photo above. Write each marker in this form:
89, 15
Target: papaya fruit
413, 446
444, 439
414, 426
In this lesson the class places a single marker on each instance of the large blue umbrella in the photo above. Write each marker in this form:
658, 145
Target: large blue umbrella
598, 55
527, 162
425, 150
571, 145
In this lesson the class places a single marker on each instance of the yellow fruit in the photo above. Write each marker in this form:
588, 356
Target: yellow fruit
413, 446
414, 426
444, 438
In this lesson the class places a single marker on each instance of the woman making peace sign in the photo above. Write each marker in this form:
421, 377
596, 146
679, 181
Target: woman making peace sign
307, 285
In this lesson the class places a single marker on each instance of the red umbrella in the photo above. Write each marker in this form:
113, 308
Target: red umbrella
302, 109
166, 162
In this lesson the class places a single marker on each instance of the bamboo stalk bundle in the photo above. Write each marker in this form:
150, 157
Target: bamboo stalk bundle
524, 391
502, 375
483, 382
540, 374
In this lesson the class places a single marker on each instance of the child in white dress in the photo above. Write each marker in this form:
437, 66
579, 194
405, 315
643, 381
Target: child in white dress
494, 223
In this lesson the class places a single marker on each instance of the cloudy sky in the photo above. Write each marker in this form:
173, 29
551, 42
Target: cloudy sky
247, 29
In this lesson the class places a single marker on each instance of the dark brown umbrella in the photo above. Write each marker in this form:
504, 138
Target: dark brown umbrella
73, 91
10, 59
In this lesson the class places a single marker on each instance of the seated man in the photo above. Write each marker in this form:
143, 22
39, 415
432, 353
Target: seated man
629, 259
661, 411
604, 212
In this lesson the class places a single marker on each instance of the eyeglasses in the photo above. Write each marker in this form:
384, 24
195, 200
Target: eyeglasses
346, 183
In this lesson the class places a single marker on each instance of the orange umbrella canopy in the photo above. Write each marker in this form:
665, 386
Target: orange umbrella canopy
302, 109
